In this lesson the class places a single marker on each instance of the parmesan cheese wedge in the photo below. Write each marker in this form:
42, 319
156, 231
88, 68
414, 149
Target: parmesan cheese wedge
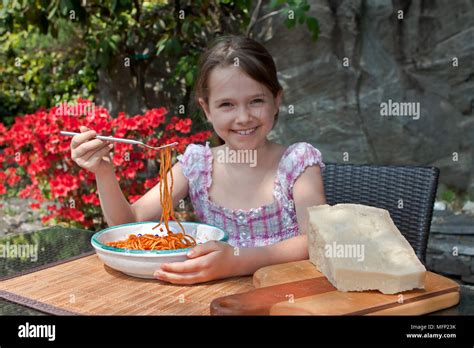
358, 247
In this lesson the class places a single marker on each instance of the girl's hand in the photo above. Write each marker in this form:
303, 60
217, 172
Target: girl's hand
208, 261
89, 153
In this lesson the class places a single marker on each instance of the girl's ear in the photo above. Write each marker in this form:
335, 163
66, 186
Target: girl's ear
205, 107
278, 99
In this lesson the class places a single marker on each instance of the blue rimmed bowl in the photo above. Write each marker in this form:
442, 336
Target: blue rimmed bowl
144, 263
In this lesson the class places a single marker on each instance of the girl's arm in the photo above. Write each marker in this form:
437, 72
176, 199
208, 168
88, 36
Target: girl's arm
308, 191
117, 210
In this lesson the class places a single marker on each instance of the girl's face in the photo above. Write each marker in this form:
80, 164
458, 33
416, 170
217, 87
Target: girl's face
241, 110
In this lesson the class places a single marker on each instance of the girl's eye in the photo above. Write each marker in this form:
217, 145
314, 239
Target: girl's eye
258, 101
225, 104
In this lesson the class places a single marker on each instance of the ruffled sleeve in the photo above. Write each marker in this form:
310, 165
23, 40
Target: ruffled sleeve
299, 156
194, 163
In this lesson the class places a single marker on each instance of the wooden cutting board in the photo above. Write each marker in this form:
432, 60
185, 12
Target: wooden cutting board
297, 288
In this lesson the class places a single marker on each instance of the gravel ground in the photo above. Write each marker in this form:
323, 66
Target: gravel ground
17, 217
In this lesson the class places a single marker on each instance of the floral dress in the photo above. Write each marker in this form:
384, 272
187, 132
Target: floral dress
255, 227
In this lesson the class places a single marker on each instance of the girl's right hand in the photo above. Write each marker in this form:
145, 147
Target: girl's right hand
89, 153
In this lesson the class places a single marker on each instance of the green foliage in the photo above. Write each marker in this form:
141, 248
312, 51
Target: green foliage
448, 196
51, 51
40, 71
295, 12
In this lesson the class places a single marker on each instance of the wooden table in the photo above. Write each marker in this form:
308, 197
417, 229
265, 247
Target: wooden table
62, 243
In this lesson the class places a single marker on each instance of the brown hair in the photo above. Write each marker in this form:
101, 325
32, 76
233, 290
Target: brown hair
253, 59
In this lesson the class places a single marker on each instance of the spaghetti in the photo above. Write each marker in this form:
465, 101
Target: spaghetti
171, 241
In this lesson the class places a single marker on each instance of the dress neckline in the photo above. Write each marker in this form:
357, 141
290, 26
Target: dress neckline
210, 159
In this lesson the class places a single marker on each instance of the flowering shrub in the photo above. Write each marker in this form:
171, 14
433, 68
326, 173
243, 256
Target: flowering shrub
36, 159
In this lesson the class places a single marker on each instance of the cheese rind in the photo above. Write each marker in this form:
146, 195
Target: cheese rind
358, 247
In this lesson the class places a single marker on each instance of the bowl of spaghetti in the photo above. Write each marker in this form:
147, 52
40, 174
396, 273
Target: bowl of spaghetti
137, 250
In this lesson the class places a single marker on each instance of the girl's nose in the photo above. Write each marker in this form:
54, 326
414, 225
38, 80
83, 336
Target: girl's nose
243, 115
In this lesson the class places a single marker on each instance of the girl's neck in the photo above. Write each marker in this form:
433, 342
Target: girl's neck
261, 155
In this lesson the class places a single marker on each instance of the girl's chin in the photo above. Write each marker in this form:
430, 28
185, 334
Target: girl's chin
243, 144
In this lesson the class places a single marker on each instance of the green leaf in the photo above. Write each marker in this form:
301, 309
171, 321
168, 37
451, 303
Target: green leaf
52, 12
313, 25
113, 45
189, 78
160, 46
275, 3
162, 23
290, 23
185, 27
301, 18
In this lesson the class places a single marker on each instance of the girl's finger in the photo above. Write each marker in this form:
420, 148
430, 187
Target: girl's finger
81, 138
180, 278
92, 145
187, 266
203, 249
99, 153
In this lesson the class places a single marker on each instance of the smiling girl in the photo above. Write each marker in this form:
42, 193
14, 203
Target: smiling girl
262, 205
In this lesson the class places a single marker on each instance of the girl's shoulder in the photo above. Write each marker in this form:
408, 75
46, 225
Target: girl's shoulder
195, 160
297, 158
302, 153
193, 150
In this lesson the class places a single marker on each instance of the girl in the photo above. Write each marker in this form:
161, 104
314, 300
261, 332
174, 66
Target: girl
262, 205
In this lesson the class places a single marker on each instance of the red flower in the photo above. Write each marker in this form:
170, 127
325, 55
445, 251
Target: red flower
34, 205
62, 184
33, 147
184, 125
3, 190
149, 183
46, 218
133, 198
75, 214
91, 199
51, 207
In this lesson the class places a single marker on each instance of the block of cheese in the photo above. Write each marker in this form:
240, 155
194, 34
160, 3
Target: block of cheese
358, 247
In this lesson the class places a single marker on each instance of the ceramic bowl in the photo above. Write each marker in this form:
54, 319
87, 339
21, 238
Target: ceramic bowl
144, 263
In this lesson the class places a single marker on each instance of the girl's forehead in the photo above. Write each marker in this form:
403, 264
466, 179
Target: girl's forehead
231, 82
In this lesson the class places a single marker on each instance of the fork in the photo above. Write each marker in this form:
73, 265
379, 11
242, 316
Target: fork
122, 140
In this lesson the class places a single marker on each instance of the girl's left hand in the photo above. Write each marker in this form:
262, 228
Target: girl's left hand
208, 261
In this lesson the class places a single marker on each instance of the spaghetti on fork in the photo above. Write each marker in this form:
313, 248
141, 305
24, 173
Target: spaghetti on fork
171, 241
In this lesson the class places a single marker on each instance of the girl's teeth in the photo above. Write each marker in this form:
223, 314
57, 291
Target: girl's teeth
246, 132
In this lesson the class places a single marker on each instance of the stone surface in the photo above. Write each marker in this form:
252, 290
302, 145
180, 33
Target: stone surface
337, 108
451, 245
468, 208
439, 206
16, 216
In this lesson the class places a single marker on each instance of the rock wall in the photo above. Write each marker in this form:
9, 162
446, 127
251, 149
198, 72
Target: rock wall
337, 108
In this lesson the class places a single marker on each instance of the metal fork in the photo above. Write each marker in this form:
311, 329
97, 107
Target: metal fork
122, 140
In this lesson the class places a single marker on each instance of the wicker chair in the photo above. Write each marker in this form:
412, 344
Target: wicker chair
388, 187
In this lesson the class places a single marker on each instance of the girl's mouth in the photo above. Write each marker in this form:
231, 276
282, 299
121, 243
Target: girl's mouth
245, 132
